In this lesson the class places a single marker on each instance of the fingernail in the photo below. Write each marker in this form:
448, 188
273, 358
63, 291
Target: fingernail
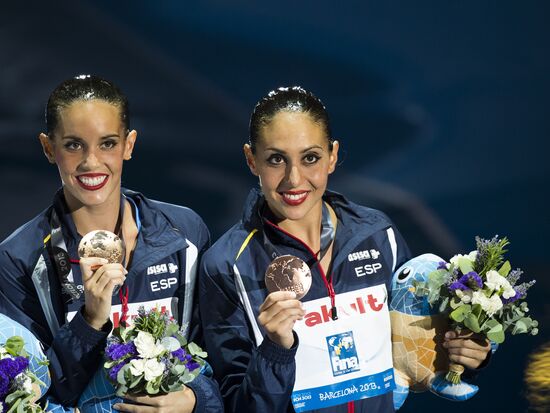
116, 406
448, 334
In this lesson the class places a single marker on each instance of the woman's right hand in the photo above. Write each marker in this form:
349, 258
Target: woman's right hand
100, 279
278, 313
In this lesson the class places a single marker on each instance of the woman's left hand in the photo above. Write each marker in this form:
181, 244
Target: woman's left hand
182, 401
467, 348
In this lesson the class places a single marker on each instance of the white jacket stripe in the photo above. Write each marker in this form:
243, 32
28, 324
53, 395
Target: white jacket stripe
247, 307
393, 245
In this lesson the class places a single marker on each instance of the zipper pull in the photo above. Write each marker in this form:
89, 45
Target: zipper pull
333, 313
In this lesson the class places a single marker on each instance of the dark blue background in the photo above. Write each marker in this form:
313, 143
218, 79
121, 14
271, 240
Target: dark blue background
441, 109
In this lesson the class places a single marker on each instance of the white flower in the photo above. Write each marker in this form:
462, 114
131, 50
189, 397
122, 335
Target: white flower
479, 297
153, 369
496, 282
509, 292
170, 343
464, 262
489, 305
23, 382
472, 255
465, 296
493, 305
137, 366
3, 354
146, 345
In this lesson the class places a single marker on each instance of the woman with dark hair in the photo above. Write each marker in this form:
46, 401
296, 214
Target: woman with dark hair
71, 305
331, 351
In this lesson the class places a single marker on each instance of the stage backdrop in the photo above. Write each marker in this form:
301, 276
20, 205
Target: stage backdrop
440, 109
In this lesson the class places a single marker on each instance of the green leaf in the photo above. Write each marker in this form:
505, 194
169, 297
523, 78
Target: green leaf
455, 303
497, 337
121, 391
14, 345
443, 305
19, 394
178, 369
472, 323
121, 375
476, 309
135, 382
520, 327
108, 364
14, 406
505, 269
460, 313
151, 387
465, 265
496, 332
171, 330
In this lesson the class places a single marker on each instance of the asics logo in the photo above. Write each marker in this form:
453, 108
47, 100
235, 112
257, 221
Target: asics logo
162, 269
364, 255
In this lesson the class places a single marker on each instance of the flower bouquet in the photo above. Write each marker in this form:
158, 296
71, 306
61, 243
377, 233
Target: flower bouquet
151, 356
19, 387
480, 291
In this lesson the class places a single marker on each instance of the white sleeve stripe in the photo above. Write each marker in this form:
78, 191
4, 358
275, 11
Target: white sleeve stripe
247, 307
191, 258
393, 245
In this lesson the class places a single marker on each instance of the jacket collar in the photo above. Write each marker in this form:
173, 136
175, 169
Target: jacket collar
354, 221
155, 228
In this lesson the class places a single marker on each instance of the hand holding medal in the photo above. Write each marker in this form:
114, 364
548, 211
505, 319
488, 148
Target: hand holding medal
287, 279
101, 255
103, 244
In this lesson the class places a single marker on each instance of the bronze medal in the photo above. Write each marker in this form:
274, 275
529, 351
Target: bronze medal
102, 244
288, 273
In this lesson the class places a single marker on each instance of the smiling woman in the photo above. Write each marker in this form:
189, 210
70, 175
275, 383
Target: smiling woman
331, 351
71, 305
89, 146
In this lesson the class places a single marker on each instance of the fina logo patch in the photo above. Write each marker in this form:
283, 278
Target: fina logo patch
342, 353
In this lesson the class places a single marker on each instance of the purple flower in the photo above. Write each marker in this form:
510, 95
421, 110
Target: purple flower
117, 351
4, 385
192, 365
113, 372
514, 276
12, 367
180, 354
442, 265
521, 289
457, 285
471, 279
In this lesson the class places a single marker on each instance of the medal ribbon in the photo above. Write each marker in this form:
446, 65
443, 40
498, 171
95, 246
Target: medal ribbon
327, 237
59, 252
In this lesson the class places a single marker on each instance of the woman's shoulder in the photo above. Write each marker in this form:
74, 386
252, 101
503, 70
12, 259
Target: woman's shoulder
27, 241
178, 215
359, 213
225, 250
